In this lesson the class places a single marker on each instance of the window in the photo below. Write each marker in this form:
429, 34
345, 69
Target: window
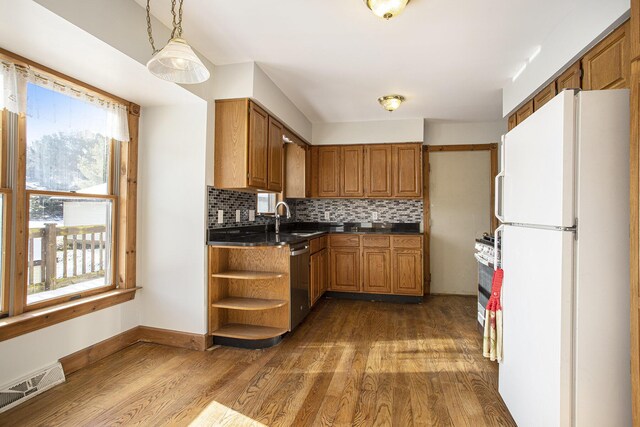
70, 236
67, 190
266, 203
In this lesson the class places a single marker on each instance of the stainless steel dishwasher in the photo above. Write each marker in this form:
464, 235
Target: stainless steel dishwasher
299, 269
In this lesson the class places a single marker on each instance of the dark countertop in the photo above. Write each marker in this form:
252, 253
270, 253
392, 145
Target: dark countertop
292, 233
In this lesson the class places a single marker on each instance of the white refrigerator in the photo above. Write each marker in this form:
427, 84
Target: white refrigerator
563, 200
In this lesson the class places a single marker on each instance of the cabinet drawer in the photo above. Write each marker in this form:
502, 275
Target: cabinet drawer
409, 242
344, 240
318, 244
376, 241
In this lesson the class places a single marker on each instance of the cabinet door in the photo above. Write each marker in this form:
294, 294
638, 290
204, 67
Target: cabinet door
525, 111
345, 269
570, 79
376, 271
324, 271
544, 96
407, 272
328, 171
295, 171
513, 121
315, 275
606, 66
258, 147
351, 171
377, 170
275, 170
407, 170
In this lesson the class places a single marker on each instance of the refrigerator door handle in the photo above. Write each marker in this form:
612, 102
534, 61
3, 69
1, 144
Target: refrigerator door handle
498, 196
495, 247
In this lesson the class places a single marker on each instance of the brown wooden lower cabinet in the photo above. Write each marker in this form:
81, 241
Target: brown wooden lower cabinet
345, 269
407, 272
376, 271
380, 264
319, 275
324, 271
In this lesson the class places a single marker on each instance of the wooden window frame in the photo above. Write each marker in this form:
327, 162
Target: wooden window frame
21, 318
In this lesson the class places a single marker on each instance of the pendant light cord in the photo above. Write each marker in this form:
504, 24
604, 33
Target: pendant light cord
177, 23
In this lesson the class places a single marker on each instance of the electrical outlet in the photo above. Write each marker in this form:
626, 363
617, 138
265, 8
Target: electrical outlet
374, 216
221, 217
237, 215
252, 215
327, 216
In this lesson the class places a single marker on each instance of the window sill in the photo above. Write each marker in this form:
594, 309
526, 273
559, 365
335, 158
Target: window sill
11, 327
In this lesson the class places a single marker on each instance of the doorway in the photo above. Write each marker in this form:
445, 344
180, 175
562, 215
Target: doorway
459, 195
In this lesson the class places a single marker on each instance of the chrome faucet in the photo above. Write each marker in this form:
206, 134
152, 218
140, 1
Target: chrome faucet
286, 207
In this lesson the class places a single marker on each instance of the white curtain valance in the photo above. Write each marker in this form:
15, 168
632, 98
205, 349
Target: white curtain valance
14, 97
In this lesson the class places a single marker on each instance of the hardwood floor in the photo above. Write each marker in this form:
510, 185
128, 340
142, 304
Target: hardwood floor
350, 363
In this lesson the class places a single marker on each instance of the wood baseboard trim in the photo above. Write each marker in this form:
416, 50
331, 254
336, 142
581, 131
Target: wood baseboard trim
99, 351
174, 338
87, 356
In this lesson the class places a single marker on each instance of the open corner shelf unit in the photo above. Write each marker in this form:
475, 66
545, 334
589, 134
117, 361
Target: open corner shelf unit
249, 293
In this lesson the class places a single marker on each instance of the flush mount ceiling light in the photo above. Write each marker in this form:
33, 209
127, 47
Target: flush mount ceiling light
391, 102
176, 62
386, 9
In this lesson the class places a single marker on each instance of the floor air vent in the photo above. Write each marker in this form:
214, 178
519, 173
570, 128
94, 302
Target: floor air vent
31, 385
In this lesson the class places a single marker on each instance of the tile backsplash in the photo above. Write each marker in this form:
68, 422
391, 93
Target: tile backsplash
311, 210
359, 210
229, 201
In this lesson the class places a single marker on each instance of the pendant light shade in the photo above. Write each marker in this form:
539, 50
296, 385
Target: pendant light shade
176, 62
386, 9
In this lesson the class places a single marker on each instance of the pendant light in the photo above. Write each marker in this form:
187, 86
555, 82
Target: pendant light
176, 62
391, 102
386, 9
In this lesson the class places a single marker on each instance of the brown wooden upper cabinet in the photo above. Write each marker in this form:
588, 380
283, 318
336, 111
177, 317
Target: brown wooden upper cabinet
570, 79
248, 153
258, 143
275, 168
606, 66
378, 171
375, 170
328, 171
351, 171
407, 170
297, 175
544, 96
525, 111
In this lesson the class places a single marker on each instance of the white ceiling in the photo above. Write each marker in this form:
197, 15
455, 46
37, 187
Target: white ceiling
333, 58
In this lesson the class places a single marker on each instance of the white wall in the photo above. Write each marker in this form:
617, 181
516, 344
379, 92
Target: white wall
28, 353
233, 81
172, 217
579, 31
374, 132
462, 133
268, 94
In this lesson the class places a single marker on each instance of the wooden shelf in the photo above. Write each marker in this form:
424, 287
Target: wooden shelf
234, 303
248, 275
248, 332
